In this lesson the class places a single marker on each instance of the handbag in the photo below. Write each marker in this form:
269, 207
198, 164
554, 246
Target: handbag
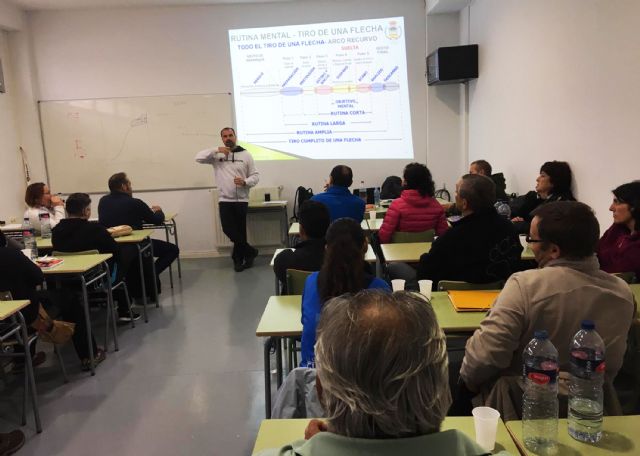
57, 332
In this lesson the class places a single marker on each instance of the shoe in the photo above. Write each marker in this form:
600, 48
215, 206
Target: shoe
248, 262
126, 318
36, 360
238, 266
99, 356
11, 442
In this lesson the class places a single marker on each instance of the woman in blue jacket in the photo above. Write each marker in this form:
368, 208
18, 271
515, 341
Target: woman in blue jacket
343, 271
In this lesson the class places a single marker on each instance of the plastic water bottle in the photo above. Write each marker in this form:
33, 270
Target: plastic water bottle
362, 192
376, 197
585, 384
45, 225
540, 399
503, 209
29, 238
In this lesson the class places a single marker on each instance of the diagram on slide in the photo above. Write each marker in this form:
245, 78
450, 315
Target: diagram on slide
323, 91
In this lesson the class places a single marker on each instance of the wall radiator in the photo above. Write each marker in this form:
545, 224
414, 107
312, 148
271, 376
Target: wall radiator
263, 228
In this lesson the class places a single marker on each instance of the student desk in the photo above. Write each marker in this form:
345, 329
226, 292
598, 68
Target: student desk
369, 257
273, 206
138, 237
282, 318
367, 225
85, 268
620, 436
409, 252
170, 227
277, 433
11, 309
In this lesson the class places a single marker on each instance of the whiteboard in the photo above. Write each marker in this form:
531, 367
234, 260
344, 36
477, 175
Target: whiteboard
153, 139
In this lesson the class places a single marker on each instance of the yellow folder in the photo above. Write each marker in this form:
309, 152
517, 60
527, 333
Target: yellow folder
472, 300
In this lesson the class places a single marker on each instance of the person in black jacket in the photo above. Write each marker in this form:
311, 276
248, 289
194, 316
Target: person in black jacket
120, 208
21, 276
76, 234
309, 252
481, 247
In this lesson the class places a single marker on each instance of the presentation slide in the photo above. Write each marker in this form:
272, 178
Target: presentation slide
322, 91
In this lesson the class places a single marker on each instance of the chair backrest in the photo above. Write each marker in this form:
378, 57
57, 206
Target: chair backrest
419, 236
83, 252
445, 285
628, 277
295, 281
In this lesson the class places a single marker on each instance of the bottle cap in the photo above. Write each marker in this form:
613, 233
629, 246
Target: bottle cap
541, 334
588, 325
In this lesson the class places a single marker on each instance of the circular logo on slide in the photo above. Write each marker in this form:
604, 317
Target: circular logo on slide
393, 31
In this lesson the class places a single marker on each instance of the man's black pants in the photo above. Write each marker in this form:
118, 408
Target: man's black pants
233, 218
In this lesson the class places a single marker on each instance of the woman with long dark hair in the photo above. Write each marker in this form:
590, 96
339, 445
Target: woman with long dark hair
343, 271
416, 210
39, 200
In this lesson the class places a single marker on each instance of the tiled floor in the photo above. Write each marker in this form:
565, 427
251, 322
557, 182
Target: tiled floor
190, 382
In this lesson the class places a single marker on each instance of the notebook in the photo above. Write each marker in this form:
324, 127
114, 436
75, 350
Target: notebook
48, 262
472, 300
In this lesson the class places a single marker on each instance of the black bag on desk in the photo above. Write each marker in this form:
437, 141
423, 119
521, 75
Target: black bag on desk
302, 194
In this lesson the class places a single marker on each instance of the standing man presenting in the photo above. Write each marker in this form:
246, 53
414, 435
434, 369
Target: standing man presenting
235, 174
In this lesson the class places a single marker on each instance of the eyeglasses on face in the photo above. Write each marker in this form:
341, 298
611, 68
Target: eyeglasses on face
530, 240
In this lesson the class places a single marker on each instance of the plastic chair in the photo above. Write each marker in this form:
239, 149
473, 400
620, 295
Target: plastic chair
419, 236
445, 285
628, 277
295, 281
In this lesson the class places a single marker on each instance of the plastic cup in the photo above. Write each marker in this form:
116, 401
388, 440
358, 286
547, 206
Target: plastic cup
523, 241
485, 420
372, 215
397, 284
425, 288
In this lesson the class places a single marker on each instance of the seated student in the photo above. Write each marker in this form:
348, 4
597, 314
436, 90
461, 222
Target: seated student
39, 199
309, 253
481, 247
416, 210
567, 288
343, 271
483, 168
76, 234
553, 184
21, 276
382, 380
340, 202
619, 247
120, 208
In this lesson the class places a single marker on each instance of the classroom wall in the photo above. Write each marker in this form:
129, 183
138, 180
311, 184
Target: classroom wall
177, 50
12, 180
558, 80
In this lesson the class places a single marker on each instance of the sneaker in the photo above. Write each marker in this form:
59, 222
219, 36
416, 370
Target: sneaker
238, 266
248, 262
126, 318
11, 442
99, 356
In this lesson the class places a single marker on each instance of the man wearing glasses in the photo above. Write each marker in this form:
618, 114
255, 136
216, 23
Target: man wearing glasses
567, 287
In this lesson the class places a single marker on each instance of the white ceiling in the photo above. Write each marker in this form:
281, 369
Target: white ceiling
81, 4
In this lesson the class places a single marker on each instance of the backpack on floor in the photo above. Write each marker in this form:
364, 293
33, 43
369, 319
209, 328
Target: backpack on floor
302, 195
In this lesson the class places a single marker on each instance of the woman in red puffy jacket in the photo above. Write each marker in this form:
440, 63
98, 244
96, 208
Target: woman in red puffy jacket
416, 210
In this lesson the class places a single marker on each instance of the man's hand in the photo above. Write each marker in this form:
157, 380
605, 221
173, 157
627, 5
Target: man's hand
224, 150
56, 201
314, 427
156, 208
517, 219
240, 182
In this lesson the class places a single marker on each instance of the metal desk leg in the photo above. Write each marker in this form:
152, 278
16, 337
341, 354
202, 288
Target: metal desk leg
166, 235
279, 361
155, 277
29, 366
267, 376
111, 311
144, 288
175, 238
87, 320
